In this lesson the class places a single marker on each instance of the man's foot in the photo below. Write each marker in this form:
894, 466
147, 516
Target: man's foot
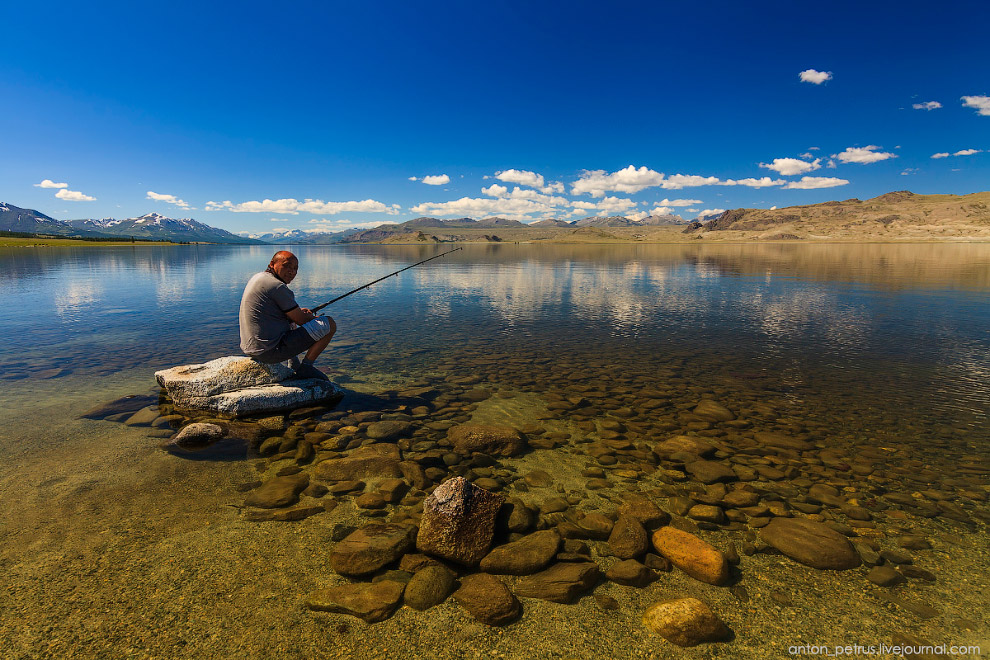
309, 371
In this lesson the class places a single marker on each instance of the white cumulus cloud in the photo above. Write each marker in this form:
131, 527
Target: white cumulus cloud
521, 177
662, 210
678, 202
436, 179
74, 196
762, 182
968, 152
629, 180
981, 103
941, 154
495, 190
815, 77
710, 212
615, 205
294, 207
678, 181
814, 182
863, 155
171, 199
927, 105
792, 166
48, 183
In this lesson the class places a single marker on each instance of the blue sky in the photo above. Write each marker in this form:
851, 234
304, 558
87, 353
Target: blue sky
257, 117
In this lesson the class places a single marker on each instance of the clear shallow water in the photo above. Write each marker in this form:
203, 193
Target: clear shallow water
906, 326
115, 548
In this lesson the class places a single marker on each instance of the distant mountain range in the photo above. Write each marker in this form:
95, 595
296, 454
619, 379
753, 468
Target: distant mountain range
151, 226
386, 231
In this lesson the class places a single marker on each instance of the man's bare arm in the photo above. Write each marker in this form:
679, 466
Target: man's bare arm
300, 315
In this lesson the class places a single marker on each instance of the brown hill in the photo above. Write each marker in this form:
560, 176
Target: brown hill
894, 216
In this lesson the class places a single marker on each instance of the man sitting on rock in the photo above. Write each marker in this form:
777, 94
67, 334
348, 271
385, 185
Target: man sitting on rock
269, 316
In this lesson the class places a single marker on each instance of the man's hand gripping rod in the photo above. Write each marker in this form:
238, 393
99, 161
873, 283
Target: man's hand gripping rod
319, 307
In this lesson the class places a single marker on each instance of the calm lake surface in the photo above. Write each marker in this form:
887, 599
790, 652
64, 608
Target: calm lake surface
855, 347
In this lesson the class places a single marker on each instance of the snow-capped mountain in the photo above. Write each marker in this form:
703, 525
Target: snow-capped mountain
156, 226
152, 226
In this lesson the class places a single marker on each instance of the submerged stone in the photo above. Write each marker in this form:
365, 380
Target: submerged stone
692, 555
198, 434
458, 522
685, 622
527, 555
368, 602
370, 548
811, 543
492, 440
429, 586
488, 599
561, 583
278, 492
127, 404
374, 461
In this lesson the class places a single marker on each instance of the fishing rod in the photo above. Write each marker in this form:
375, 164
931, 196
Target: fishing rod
319, 307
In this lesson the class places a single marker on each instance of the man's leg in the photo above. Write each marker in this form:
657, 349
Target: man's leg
321, 344
322, 329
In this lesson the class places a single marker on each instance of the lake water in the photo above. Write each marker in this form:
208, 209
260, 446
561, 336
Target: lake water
878, 355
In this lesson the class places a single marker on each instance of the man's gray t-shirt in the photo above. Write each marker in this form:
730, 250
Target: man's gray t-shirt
263, 321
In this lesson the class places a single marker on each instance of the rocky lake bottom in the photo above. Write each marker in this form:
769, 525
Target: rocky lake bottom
125, 544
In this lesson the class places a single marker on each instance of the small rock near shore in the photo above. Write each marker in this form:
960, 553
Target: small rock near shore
685, 622
488, 600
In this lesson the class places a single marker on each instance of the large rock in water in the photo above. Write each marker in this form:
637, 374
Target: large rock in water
811, 543
493, 440
238, 385
458, 522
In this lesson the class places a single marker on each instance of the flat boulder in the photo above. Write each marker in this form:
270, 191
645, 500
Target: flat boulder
225, 374
278, 491
528, 555
685, 622
488, 600
493, 440
388, 430
370, 602
811, 543
238, 385
685, 443
782, 440
370, 462
710, 472
561, 583
458, 522
692, 555
711, 411
370, 548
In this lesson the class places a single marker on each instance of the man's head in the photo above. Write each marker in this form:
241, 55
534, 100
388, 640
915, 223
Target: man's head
284, 265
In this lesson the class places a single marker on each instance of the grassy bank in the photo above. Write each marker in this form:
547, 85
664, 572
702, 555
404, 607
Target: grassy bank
21, 239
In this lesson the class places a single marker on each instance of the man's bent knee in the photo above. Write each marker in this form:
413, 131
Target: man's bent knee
320, 327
